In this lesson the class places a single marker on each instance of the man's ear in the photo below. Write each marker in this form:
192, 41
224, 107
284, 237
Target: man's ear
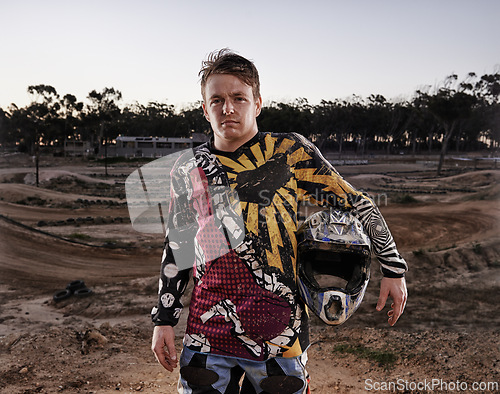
205, 111
258, 105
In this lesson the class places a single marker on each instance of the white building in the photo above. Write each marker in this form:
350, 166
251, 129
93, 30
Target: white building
151, 146
75, 147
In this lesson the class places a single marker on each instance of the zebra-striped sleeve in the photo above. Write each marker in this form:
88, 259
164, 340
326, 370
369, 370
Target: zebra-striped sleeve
392, 263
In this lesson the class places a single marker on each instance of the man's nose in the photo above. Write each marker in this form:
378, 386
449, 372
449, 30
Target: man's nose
228, 107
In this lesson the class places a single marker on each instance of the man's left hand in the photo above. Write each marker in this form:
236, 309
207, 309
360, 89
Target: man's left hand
396, 289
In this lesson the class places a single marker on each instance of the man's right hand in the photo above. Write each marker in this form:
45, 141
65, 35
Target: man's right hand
163, 347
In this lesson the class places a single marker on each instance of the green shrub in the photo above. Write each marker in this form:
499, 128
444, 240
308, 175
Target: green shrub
383, 358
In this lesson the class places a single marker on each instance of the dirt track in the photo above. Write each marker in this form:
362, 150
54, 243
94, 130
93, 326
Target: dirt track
43, 262
449, 330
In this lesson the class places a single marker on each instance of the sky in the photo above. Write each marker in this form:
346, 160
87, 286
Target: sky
151, 50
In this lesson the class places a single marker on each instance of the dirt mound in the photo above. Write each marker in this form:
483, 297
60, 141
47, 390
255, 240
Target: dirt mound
42, 263
474, 179
442, 225
51, 174
490, 192
486, 184
475, 185
372, 181
464, 294
27, 194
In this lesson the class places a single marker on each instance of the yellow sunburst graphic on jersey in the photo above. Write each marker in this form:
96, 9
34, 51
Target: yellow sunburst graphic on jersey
266, 182
267, 192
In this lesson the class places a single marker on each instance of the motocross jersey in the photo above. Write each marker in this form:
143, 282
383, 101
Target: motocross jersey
233, 218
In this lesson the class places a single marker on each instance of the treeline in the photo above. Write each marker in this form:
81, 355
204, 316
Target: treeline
460, 114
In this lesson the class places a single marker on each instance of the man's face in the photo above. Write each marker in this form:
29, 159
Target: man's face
232, 111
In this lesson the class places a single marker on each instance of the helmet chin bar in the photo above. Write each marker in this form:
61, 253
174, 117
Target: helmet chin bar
339, 306
334, 311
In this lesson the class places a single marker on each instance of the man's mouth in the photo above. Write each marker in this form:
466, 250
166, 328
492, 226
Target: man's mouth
229, 122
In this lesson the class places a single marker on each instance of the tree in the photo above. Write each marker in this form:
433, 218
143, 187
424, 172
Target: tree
71, 111
324, 121
488, 89
459, 112
102, 114
358, 111
399, 118
287, 117
102, 111
423, 126
4, 138
192, 120
42, 113
451, 104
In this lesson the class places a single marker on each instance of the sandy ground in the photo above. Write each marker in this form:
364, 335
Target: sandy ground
75, 226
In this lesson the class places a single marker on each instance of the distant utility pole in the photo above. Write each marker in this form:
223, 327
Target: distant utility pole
104, 137
37, 163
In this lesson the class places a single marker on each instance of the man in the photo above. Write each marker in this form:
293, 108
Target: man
233, 217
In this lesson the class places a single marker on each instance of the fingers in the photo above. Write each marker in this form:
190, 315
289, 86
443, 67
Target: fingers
393, 315
382, 299
396, 289
397, 308
164, 359
399, 302
172, 354
163, 347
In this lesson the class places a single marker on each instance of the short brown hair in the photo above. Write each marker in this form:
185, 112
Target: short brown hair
225, 61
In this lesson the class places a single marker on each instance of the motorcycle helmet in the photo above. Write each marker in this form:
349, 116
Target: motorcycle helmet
333, 264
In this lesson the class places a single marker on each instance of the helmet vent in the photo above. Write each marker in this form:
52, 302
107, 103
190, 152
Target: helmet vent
333, 309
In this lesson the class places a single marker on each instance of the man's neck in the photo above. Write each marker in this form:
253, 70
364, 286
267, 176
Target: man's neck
231, 145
